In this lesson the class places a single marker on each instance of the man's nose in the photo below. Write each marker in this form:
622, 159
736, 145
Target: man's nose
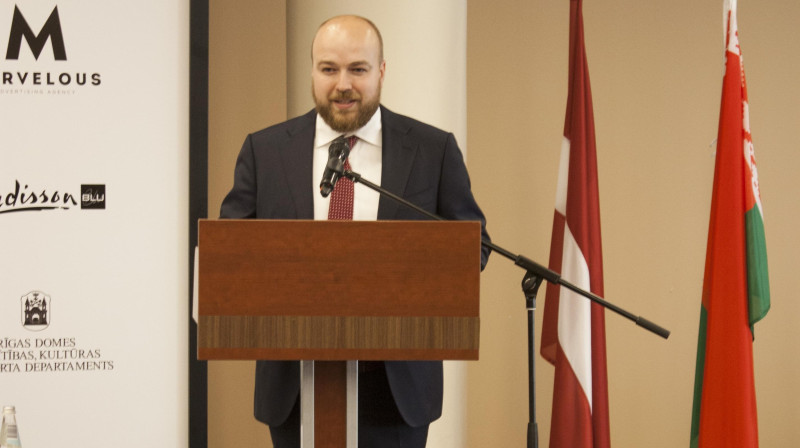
344, 82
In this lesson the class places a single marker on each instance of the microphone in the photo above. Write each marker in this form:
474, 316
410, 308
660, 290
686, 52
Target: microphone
337, 154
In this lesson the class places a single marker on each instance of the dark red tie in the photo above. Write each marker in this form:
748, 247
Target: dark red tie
341, 205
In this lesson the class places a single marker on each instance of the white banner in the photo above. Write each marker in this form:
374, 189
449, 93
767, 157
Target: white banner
93, 221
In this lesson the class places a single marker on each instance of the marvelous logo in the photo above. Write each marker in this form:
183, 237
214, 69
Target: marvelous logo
29, 81
24, 198
51, 30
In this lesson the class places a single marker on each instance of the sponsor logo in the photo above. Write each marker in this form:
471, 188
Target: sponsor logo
50, 31
93, 196
20, 75
27, 198
43, 353
35, 310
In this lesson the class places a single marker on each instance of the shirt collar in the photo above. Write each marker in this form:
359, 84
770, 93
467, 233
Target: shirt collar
370, 132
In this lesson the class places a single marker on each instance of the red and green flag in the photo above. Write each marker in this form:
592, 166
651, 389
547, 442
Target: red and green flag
736, 284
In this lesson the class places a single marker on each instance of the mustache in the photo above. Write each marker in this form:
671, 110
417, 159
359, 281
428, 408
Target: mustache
347, 95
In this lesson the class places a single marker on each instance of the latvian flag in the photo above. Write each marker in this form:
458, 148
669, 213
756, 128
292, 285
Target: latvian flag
573, 333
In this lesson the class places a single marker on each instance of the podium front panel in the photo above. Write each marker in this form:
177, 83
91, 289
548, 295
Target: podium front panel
338, 290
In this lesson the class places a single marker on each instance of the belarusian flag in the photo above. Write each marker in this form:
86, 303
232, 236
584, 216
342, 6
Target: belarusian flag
736, 286
573, 333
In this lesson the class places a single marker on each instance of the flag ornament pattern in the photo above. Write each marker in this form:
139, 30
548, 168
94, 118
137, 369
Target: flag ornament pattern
573, 332
735, 284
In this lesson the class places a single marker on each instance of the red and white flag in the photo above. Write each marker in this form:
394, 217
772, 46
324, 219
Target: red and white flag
573, 333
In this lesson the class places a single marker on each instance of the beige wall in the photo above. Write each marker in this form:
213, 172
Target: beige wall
247, 90
656, 73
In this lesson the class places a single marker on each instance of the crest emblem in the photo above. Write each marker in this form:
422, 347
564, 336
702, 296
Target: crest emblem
35, 310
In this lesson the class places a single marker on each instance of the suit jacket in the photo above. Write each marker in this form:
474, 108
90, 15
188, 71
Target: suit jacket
272, 180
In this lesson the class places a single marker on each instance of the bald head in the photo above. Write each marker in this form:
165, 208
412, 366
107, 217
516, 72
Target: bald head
355, 28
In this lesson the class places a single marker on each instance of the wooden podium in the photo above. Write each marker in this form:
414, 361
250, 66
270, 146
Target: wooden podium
337, 291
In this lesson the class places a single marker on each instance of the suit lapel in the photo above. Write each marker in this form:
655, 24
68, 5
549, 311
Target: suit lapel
297, 154
399, 150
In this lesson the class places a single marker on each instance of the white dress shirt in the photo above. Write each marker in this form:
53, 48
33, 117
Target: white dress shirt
365, 159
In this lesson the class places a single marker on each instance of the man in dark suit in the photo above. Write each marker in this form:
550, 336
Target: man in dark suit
275, 179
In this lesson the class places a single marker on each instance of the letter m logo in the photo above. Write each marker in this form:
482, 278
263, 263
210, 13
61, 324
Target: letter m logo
51, 30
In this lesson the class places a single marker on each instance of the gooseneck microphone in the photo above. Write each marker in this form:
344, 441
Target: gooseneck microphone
337, 154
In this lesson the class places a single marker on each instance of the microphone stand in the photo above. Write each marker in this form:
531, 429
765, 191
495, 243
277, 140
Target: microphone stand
534, 274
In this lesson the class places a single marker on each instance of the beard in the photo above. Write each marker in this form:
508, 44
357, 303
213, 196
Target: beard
348, 121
